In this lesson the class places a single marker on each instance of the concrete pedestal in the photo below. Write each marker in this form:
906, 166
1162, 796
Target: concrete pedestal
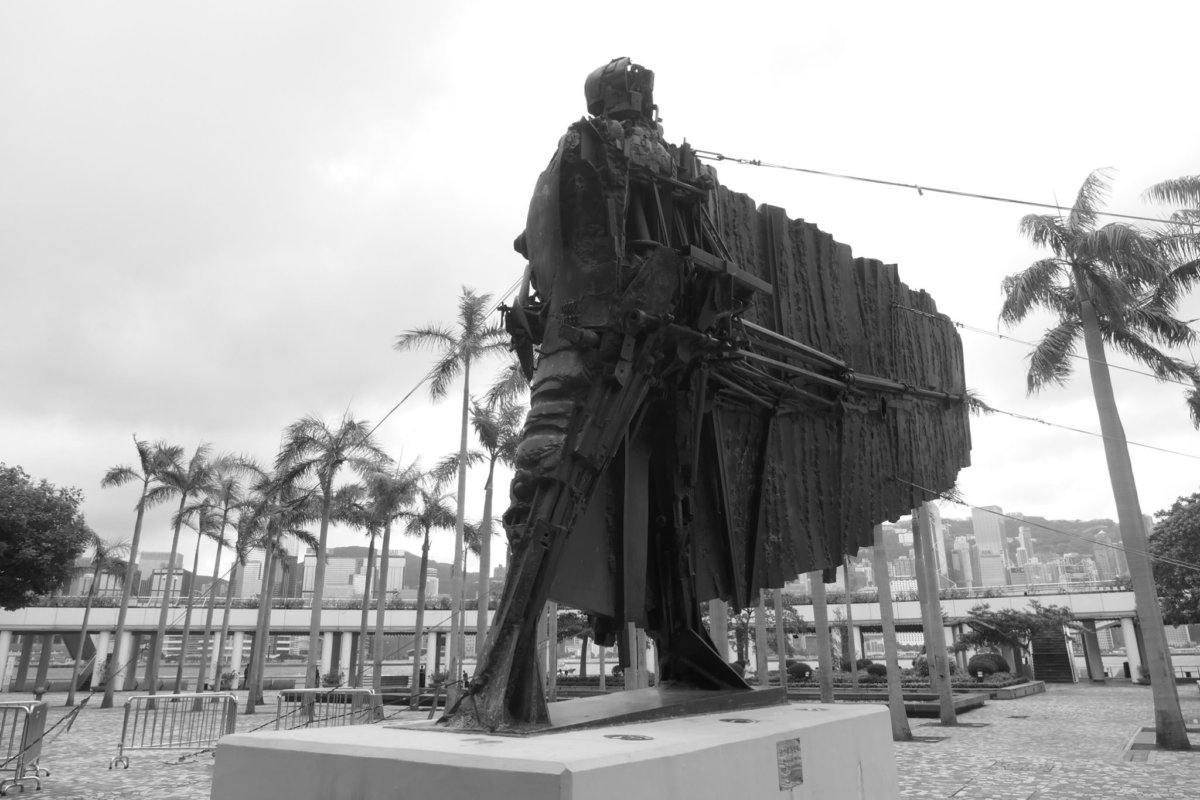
800, 750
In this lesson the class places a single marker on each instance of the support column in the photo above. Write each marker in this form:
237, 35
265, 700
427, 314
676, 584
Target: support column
23, 663
117, 669
129, 660
326, 644
5, 647
216, 652
960, 655
1091, 650
1132, 654
236, 653
100, 668
347, 650
43, 667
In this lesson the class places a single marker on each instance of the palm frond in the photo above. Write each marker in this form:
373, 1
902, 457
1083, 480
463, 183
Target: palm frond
1161, 326
1092, 194
1044, 230
431, 336
1183, 191
444, 373
508, 386
119, 476
1176, 283
1192, 398
1036, 285
1162, 365
1051, 361
976, 405
1124, 249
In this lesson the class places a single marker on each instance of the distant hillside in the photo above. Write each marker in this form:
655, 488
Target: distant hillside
1066, 536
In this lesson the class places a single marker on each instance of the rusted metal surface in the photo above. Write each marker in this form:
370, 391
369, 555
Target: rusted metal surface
722, 398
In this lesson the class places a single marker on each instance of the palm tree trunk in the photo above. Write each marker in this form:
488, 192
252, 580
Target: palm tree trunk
901, 732
415, 686
117, 669
314, 626
485, 565
457, 643
202, 673
824, 645
261, 628
377, 672
220, 654
1169, 727
761, 664
160, 639
361, 651
850, 651
187, 621
83, 636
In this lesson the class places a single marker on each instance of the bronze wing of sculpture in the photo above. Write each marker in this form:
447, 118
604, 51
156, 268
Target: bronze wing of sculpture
723, 398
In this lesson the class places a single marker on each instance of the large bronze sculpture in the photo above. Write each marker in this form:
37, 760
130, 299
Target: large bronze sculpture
722, 399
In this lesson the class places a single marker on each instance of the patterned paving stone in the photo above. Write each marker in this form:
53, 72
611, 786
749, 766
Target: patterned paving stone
1071, 743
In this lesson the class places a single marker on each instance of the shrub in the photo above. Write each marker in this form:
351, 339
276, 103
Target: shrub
877, 670
984, 664
861, 663
799, 671
921, 665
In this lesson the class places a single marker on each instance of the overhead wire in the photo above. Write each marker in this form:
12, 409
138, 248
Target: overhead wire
921, 189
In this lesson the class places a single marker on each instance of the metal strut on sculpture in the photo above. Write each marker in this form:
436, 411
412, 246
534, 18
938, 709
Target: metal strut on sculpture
720, 400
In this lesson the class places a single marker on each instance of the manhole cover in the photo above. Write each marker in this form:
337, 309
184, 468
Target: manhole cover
739, 720
1019, 716
628, 737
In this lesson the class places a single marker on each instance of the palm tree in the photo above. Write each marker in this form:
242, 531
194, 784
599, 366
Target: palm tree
311, 448
208, 524
1103, 284
151, 459
225, 494
275, 510
1179, 245
392, 492
185, 481
498, 429
106, 559
431, 512
351, 505
474, 338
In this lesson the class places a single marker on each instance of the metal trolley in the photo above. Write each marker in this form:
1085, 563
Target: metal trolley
22, 727
175, 722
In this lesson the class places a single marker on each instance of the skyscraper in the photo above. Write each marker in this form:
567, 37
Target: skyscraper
962, 546
989, 529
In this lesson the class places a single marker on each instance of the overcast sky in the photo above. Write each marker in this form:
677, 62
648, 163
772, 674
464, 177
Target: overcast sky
216, 217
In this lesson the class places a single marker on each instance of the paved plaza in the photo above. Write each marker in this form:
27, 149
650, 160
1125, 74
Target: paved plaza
1082, 742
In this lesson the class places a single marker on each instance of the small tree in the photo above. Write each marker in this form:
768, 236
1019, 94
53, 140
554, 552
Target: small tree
1011, 629
741, 625
1175, 544
42, 532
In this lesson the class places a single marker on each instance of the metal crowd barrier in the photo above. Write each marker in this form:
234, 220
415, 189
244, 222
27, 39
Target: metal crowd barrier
22, 726
326, 708
175, 722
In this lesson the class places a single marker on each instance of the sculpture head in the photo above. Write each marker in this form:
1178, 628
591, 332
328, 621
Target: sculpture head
621, 90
